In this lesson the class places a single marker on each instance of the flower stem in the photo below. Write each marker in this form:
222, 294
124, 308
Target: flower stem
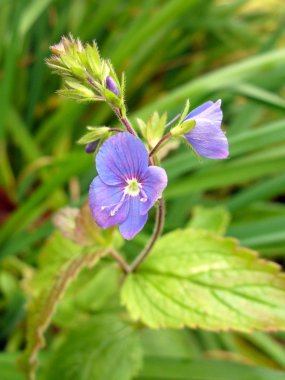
116, 130
161, 141
123, 264
125, 121
159, 223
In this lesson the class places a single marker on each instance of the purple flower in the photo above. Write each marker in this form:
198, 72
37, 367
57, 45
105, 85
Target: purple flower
111, 85
207, 137
126, 187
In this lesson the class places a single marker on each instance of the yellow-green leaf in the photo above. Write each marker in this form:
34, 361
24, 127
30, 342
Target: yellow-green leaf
197, 279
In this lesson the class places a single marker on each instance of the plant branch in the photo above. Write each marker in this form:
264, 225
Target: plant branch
123, 264
159, 223
115, 130
161, 141
125, 121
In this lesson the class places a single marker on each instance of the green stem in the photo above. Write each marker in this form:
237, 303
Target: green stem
159, 223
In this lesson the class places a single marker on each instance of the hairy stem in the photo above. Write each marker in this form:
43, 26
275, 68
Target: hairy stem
123, 264
159, 223
125, 121
161, 141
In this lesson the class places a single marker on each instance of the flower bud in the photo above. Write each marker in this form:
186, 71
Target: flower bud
111, 85
91, 147
59, 48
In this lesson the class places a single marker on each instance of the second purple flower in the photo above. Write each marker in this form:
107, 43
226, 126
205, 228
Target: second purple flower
126, 186
207, 137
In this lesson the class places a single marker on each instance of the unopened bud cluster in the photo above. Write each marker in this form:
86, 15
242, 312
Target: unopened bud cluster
87, 77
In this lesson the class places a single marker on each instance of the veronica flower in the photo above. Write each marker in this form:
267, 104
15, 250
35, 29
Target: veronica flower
126, 186
207, 137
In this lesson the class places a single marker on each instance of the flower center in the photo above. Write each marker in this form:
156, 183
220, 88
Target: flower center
133, 188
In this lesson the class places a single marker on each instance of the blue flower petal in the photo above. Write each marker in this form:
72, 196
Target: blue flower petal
103, 199
121, 157
207, 137
134, 222
153, 184
198, 110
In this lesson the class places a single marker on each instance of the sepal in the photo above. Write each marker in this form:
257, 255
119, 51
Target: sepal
183, 126
95, 133
182, 129
153, 129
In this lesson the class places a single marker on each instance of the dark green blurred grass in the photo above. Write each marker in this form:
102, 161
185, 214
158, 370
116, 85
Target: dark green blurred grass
171, 50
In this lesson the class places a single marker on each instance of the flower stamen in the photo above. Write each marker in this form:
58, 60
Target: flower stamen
144, 197
118, 206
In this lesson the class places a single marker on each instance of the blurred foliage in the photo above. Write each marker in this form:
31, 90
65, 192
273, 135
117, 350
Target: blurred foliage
170, 50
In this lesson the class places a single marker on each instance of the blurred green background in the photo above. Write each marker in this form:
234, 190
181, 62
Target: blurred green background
170, 50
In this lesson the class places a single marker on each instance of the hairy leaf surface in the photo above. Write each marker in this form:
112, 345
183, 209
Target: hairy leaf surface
104, 348
197, 279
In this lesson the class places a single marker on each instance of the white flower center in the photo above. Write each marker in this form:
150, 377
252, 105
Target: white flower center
133, 187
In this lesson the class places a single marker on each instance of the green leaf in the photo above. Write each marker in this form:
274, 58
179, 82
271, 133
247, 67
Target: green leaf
197, 279
94, 290
104, 348
50, 285
156, 368
214, 219
8, 367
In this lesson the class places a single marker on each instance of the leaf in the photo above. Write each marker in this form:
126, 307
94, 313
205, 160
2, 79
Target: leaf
8, 368
157, 368
51, 284
93, 290
215, 219
197, 279
104, 348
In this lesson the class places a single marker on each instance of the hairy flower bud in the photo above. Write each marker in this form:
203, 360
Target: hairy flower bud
59, 48
111, 85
